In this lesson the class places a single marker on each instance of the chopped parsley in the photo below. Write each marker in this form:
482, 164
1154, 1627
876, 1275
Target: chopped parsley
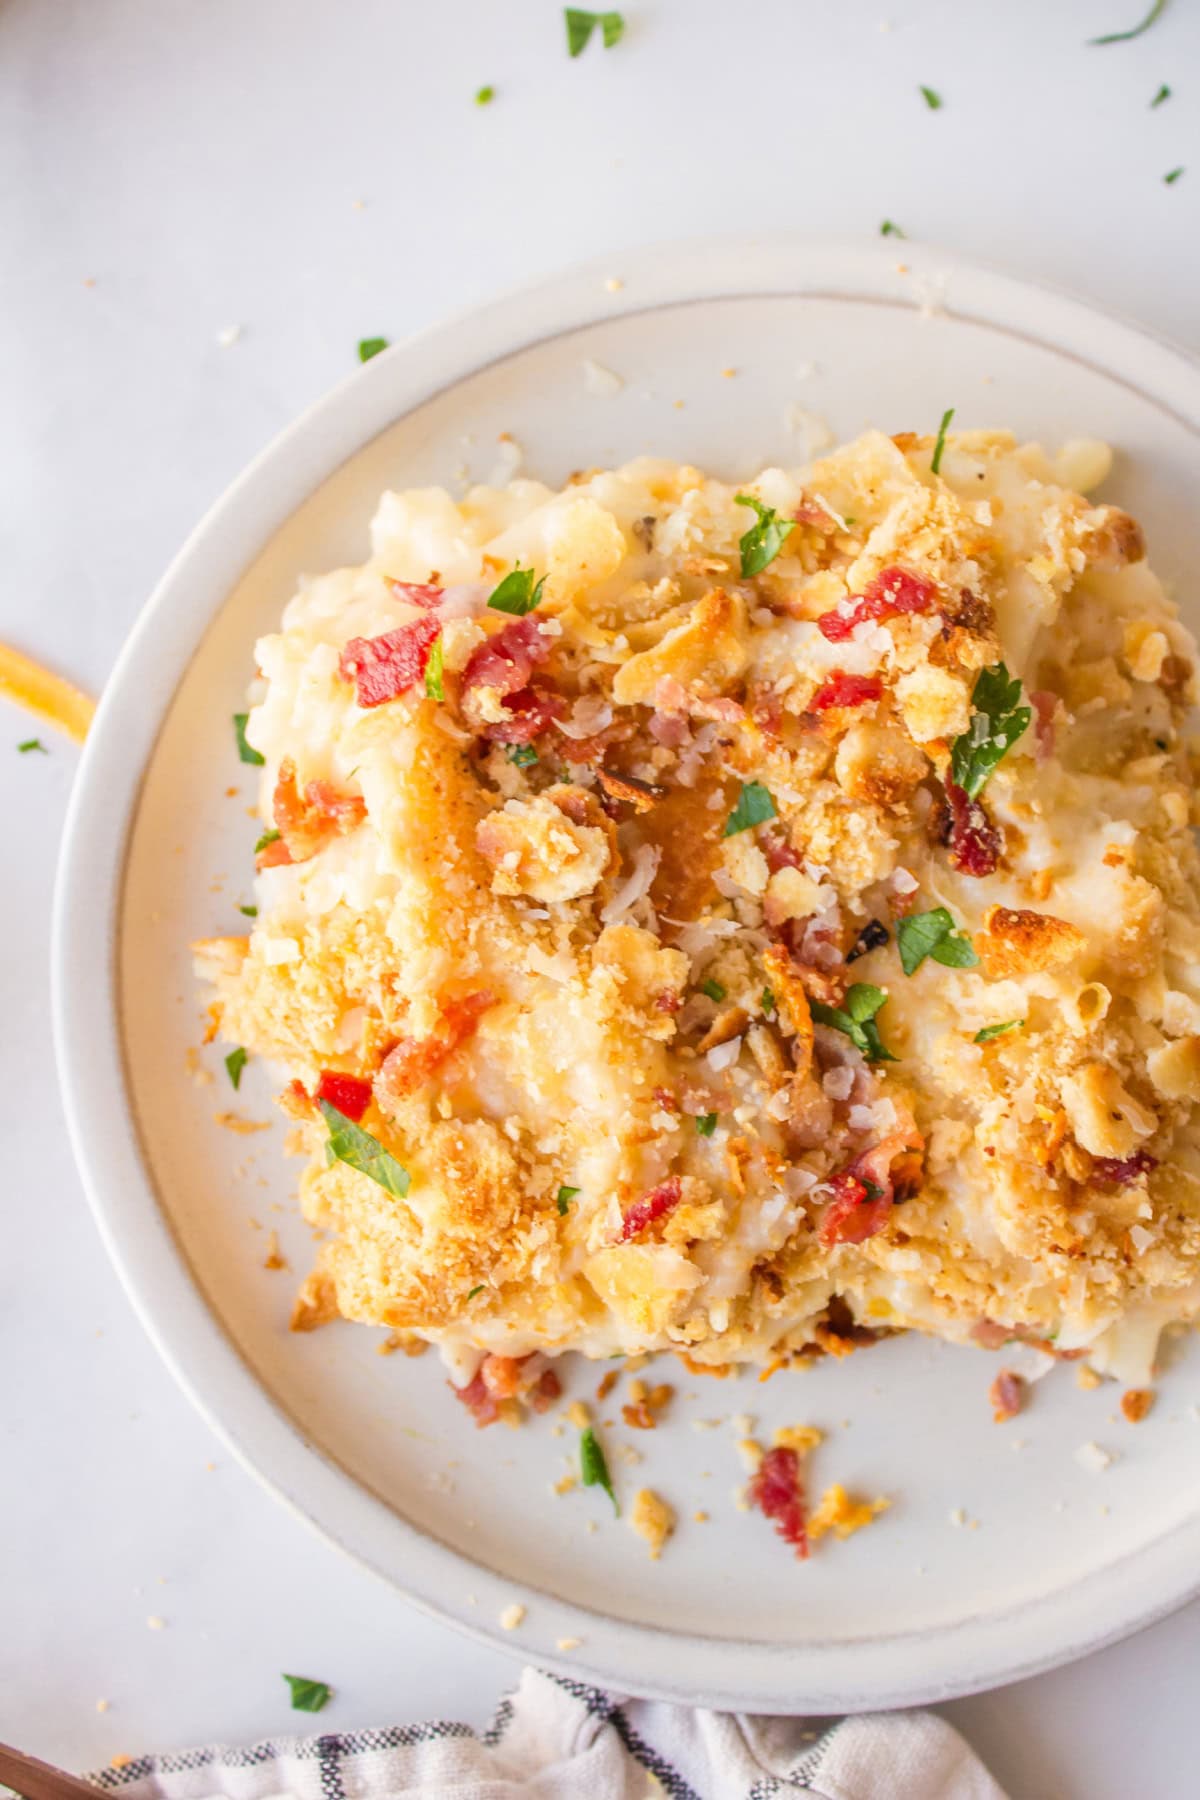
1164, 93
1172, 176
856, 1018
931, 97
889, 228
521, 754
434, 688
369, 347
564, 1199
517, 593
37, 744
755, 806
580, 26
1123, 37
706, 1124
933, 934
235, 1062
268, 837
994, 1031
765, 538
767, 1002
246, 752
350, 1144
249, 912
936, 462
308, 1695
484, 96
475, 1290
996, 724
593, 1470
713, 989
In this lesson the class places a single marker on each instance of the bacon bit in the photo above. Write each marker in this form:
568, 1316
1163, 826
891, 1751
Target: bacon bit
974, 840
350, 1095
315, 1303
641, 1413
508, 659
668, 1001
765, 706
306, 823
990, 1334
413, 1060
1007, 1395
296, 1101
666, 1100
533, 711
1120, 1171
811, 512
850, 1218
669, 729
479, 1400
652, 1206
383, 668
845, 690
1044, 706
606, 1384
779, 852
641, 795
416, 593
893, 591
1137, 1403
546, 1391
773, 1368
777, 1491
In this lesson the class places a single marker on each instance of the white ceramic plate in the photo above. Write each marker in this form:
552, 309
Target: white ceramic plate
1051, 1560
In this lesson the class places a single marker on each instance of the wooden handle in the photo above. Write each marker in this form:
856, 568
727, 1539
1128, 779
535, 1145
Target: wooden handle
40, 1780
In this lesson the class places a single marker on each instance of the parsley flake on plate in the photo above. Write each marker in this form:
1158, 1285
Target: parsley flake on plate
565, 1197
308, 1695
713, 989
37, 744
856, 1019
484, 96
706, 1123
350, 1144
246, 752
931, 97
1173, 176
517, 593
580, 26
268, 837
754, 807
235, 1062
250, 912
369, 347
890, 229
933, 934
765, 538
521, 754
434, 687
936, 461
593, 1469
994, 1031
1123, 37
1164, 93
996, 723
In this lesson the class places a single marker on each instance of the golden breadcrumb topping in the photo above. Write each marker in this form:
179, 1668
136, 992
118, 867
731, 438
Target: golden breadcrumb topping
735, 920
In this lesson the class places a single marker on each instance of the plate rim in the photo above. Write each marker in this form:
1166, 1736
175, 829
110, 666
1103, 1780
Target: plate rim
972, 1654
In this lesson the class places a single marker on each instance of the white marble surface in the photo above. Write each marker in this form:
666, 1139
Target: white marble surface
314, 173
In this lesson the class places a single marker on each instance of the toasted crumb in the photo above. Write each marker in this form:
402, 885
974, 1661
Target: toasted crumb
579, 1415
567, 1643
228, 336
1086, 1377
1007, 1395
652, 1519
232, 1121
511, 1617
1137, 1403
751, 1452
565, 1483
274, 1258
958, 1516
800, 1438
1094, 1458
155, 1623
119, 1761
102, 1706
606, 1384
700, 1517
614, 284
838, 1513
728, 374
